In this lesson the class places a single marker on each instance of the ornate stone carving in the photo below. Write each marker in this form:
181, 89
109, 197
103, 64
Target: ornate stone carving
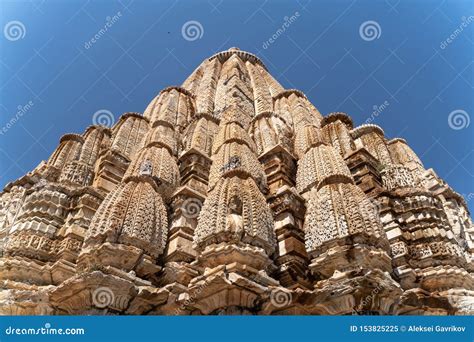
133, 214
397, 176
235, 211
319, 164
227, 195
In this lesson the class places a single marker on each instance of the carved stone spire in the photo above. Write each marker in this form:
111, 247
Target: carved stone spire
227, 193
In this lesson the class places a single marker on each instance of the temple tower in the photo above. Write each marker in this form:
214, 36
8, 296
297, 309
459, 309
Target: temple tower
233, 195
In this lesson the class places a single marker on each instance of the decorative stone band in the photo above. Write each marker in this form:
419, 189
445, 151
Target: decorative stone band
234, 158
38, 246
179, 90
116, 155
127, 115
335, 179
366, 129
107, 131
320, 163
306, 138
397, 176
77, 172
73, 137
446, 278
407, 199
163, 136
207, 116
450, 251
163, 121
395, 140
244, 56
288, 92
269, 115
232, 132
337, 116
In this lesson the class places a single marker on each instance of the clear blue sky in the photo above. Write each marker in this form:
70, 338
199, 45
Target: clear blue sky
409, 64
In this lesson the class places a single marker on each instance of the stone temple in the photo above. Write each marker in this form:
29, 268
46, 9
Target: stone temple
233, 195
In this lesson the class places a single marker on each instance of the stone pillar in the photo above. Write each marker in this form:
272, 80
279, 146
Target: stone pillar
127, 138
344, 238
429, 263
235, 235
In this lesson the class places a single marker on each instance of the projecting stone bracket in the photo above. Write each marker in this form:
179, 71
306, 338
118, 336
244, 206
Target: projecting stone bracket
119, 259
24, 299
223, 293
